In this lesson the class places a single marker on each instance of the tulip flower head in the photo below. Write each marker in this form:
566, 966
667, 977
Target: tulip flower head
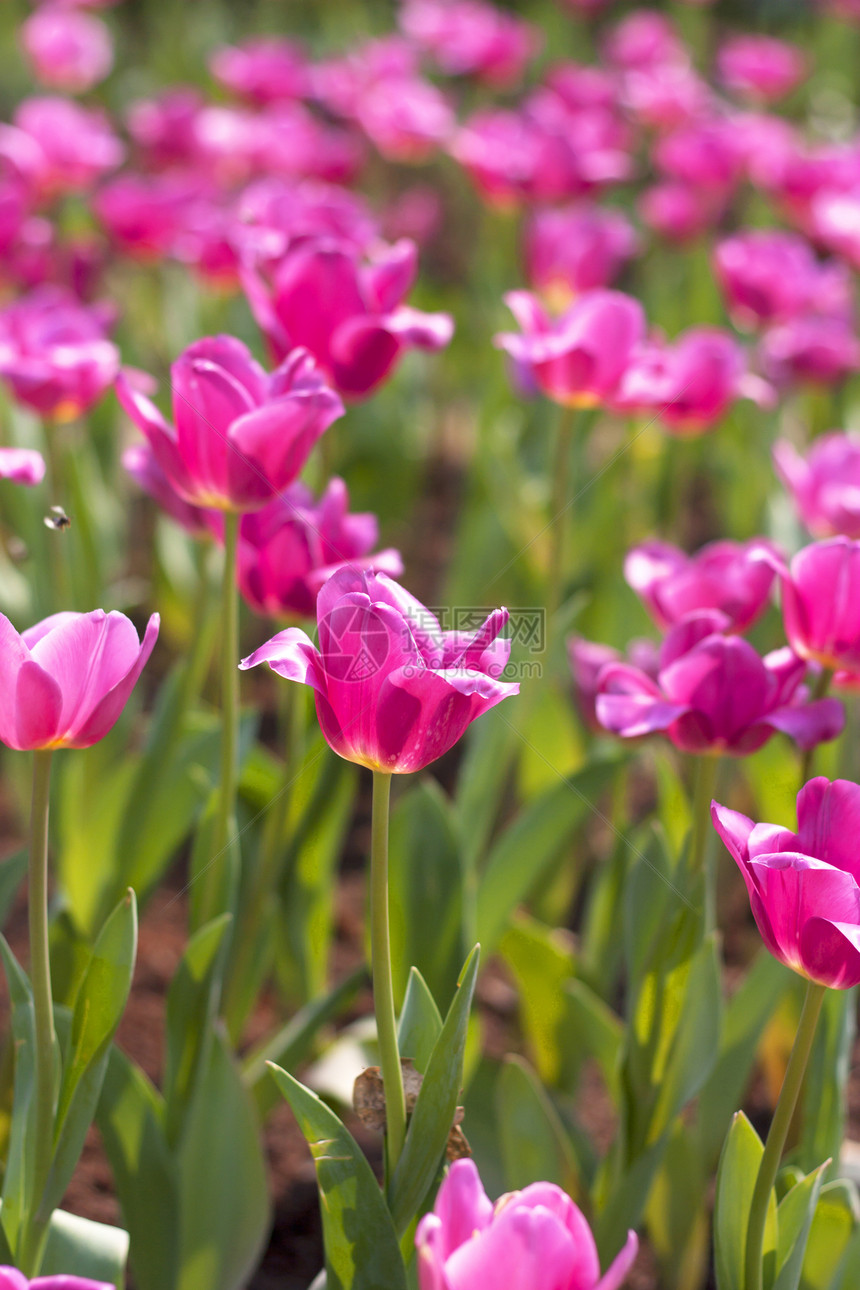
760, 67
240, 435
821, 603
714, 694
68, 51
587, 660
393, 691
729, 576
803, 886
577, 249
64, 682
814, 350
471, 38
825, 484
262, 70
536, 1238
770, 276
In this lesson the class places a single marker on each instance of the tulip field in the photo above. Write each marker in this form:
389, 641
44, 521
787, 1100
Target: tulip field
429, 645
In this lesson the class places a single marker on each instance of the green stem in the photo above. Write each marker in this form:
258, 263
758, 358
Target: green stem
383, 986
822, 685
559, 509
43, 1009
229, 686
779, 1131
702, 853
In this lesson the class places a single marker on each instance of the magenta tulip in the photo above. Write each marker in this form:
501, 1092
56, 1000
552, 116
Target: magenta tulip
587, 660
471, 38
803, 886
705, 154
240, 435
814, 350
12, 1279
262, 70
760, 67
22, 466
771, 276
55, 354
678, 211
825, 484
68, 51
821, 603
579, 358
535, 1239
291, 547
645, 38
714, 694
577, 249
76, 145
393, 691
65, 681
349, 315
729, 576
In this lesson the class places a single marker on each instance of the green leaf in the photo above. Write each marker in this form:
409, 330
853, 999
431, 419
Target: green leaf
594, 1026
192, 1001
130, 1120
736, 1176
834, 1223
79, 1247
223, 1188
420, 1022
824, 1110
426, 883
213, 877
534, 1142
541, 959
362, 1251
794, 1219
528, 847
19, 1159
676, 1215
433, 1116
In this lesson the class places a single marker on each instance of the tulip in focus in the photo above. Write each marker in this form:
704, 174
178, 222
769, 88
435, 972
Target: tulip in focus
240, 435
535, 1238
579, 358
729, 576
821, 603
64, 682
393, 691
803, 886
294, 544
825, 484
714, 694
54, 352
22, 466
760, 67
349, 314
68, 51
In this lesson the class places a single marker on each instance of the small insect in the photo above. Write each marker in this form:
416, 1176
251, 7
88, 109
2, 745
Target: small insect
58, 519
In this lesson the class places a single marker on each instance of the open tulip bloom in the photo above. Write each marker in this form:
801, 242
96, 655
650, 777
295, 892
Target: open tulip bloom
393, 691
535, 1239
729, 576
715, 694
821, 603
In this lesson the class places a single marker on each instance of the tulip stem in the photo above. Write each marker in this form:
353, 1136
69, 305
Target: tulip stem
383, 987
30, 1253
779, 1131
703, 854
229, 686
559, 507
822, 685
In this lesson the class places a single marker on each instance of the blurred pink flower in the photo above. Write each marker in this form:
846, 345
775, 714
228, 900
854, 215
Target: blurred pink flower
164, 128
471, 38
815, 350
729, 576
263, 69
714, 694
576, 249
821, 603
677, 211
54, 352
824, 485
587, 660
67, 50
536, 1238
348, 313
704, 154
393, 691
294, 544
773, 276
76, 145
760, 67
240, 435
645, 38
64, 684
803, 886
22, 466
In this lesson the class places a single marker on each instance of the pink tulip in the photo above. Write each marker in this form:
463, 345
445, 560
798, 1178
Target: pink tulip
471, 38
825, 485
349, 315
76, 145
577, 249
294, 544
835, 221
815, 350
705, 154
690, 384
535, 1238
665, 95
240, 435
729, 576
645, 38
142, 464
760, 67
770, 276
22, 466
68, 51
578, 359
12, 1279
65, 681
283, 211
55, 354
714, 694
803, 886
393, 691
587, 660
145, 214
262, 70
164, 128
821, 603
678, 212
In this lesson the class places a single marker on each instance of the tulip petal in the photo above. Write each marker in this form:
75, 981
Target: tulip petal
363, 352
809, 724
620, 1265
521, 1249
292, 654
828, 820
87, 655
106, 712
38, 707
462, 1206
792, 889
12, 1279
830, 952
22, 466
